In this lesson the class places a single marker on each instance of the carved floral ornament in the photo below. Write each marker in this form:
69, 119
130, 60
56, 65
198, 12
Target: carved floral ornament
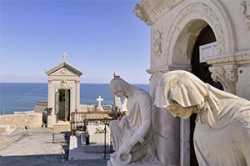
225, 70
196, 11
246, 11
63, 72
64, 85
151, 10
158, 45
226, 75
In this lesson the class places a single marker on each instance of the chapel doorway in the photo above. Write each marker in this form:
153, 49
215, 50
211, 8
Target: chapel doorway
63, 105
201, 70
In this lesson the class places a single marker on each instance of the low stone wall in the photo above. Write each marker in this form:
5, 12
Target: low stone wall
22, 120
40, 106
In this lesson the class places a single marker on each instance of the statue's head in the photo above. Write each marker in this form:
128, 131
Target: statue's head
183, 112
119, 87
180, 92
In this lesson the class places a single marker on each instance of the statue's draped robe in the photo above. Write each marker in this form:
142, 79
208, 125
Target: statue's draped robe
135, 125
222, 132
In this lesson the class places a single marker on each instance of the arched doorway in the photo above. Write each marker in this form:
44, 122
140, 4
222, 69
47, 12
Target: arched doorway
201, 70
62, 105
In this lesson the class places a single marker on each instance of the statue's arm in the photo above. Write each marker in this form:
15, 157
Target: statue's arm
145, 105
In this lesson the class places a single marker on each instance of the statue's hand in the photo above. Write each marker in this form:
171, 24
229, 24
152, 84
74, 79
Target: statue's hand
129, 145
123, 123
127, 149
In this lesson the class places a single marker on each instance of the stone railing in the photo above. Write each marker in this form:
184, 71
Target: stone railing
79, 120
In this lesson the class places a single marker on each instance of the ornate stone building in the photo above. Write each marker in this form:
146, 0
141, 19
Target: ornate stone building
183, 35
63, 92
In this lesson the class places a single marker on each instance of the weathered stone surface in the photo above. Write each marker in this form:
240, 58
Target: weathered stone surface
22, 120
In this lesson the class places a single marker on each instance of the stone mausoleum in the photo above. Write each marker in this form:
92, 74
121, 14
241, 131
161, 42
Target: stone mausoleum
63, 92
211, 39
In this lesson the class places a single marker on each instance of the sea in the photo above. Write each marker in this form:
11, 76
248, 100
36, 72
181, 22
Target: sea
19, 97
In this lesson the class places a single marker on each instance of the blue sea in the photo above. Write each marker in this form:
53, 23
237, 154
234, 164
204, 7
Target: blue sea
23, 96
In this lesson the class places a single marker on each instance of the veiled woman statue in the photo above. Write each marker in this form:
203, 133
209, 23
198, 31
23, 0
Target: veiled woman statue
132, 135
222, 132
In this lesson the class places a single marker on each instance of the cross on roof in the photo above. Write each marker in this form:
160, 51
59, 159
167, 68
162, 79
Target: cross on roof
99, 99
64, 56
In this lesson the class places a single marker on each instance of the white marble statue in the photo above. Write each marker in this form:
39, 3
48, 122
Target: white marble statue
222, 132
132, 135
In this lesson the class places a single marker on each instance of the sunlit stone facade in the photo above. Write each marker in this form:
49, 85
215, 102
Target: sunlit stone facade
176, 26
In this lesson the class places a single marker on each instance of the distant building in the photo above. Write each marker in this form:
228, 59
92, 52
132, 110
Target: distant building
63, 92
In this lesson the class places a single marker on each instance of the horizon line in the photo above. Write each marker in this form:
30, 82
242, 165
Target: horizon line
80, 83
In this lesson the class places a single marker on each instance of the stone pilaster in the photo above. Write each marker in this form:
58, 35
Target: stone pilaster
77, 94
184, 142
172, 134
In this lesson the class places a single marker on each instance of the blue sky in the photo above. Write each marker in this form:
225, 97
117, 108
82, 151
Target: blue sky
99, 36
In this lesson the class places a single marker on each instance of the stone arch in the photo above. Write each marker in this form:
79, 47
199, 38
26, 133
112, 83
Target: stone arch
189, 22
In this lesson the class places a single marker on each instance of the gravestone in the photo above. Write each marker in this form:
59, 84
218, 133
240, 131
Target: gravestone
97, 139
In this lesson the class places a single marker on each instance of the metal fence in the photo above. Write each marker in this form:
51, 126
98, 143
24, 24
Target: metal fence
80, 120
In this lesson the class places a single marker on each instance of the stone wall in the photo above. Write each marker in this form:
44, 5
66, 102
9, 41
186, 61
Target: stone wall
22, 120
40, 106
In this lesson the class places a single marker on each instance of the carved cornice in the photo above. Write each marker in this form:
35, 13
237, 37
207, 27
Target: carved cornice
151, 10
162, 70
157, 71
239, 58
63, 68
179, 67
226, 75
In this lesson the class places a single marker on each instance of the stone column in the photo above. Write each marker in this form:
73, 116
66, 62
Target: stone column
166, 127
73, 98
50, 103
184, 142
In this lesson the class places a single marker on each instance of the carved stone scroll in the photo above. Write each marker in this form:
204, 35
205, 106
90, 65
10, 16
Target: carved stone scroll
226, 75
246, 11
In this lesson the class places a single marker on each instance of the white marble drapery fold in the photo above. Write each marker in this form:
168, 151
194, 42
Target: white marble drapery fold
223, 118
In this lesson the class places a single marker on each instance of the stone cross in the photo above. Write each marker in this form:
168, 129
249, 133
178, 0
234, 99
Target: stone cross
64, 56
99, 99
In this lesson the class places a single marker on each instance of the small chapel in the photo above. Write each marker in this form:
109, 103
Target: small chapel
63, 92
